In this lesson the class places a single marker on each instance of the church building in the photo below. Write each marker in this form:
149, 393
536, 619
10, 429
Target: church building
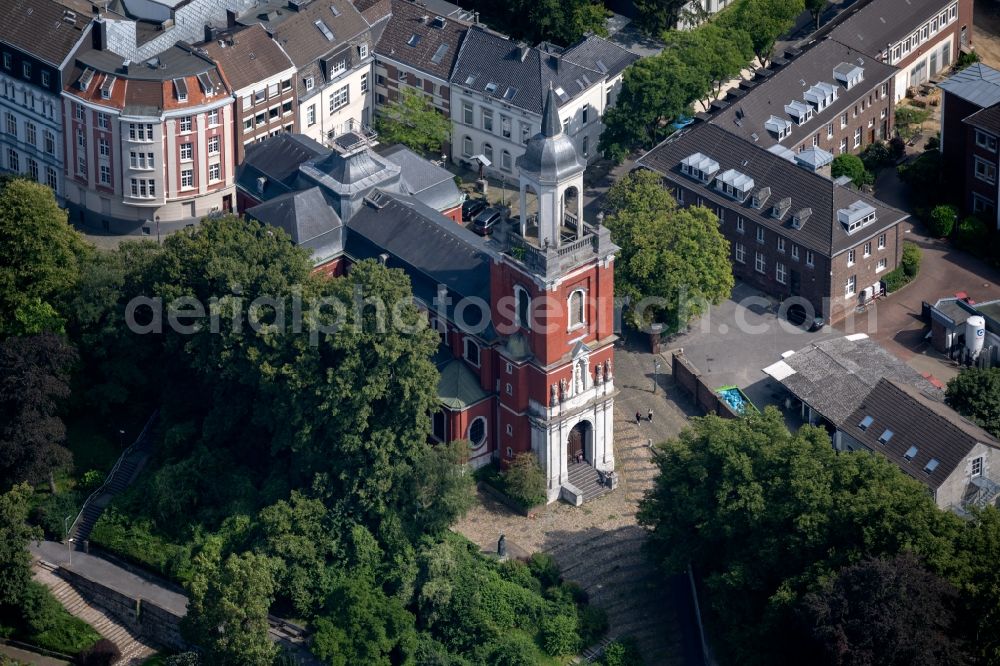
526, 317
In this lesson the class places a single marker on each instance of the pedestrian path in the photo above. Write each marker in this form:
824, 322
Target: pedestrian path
134, 650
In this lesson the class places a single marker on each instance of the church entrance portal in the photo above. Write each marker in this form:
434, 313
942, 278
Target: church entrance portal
580, 440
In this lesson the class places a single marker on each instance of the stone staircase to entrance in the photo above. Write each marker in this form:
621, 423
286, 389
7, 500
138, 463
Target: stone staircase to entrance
133, 649
586, 479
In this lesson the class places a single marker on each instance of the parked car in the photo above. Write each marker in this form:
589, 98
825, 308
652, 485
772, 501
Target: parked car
486, 221
796, 315
473, 207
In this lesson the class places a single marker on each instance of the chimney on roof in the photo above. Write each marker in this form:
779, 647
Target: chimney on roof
99, 36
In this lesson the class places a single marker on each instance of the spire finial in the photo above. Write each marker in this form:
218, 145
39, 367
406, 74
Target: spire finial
551, 125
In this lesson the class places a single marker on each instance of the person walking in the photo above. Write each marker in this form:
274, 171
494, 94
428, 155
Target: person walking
649, 416
638, 418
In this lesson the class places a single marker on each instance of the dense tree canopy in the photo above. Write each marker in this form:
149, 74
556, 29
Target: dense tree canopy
656, 16
763, 20
40, 257
34, 382
534, 21
811, 556
413, 121
853, 167
975, 394
674, 261
15, 533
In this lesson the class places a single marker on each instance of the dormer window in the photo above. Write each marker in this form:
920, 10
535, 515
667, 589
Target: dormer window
849, 75
180, 90
800, 218
735, 184
760, 197
699, 166
801, 111
821, 95
780, 127
779, 209
857, 215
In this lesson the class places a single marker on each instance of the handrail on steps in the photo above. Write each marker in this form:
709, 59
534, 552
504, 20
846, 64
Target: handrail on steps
111, 474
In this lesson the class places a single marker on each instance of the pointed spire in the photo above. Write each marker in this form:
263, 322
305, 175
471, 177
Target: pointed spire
551, 125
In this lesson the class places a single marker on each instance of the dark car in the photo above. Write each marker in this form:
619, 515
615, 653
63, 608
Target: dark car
472, 207
486, 221
796, 315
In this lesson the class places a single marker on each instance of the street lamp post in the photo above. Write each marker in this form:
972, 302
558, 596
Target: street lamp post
656, 373
157, 229
121, 438
69, 542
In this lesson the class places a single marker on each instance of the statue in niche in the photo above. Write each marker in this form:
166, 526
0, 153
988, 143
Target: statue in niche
563, 389
607, 370
555, 395
599, 374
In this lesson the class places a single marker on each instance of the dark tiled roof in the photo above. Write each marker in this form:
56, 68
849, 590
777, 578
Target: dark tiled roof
303, 40
249, 57
374, 10
937, 431
307, 218
489, 58
431, 248
987, 119
601, 55
431, 184
883, 22
42, 28
834, 376
746, 116
978, 84
408, 21
822, 231
278, 160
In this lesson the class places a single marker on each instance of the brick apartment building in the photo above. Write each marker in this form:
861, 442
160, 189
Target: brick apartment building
922, 38
830, 97
417, 50
970, 131
792, 232
261, 75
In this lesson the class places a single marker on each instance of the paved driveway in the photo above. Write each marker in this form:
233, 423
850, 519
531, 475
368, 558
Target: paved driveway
737, 339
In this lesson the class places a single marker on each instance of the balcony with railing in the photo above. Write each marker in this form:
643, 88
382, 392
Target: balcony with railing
546, 258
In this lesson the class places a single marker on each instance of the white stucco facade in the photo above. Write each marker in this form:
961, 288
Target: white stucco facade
338, 105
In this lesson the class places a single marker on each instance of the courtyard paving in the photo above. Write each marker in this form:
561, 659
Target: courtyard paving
599, 545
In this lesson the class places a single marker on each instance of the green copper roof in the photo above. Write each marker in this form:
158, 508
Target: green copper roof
459, 386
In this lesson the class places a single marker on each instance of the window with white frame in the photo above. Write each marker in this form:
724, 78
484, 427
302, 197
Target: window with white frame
505, 124
577, 309
488, 120
857, 137
843, 145
104, 121
338, 68
851, 286
850, 257
981, 204
740, 253
185, 124
467, 113
509, 389
976, 468
13, 160
525, 132
213, 117
214, 171
488, 152
760, 234
780, 273
364, 83
140, 131
505, 161
843, 120
143, 188
32, 169
187, 178
781, 244
467, 146
30, 133
881, 242
809, 258
81, 165
339, 98
882, 263
11, 126
50, 178
49, 140
105, 174
311, 115
186, 151
138, 160
829, 131
868, 249
471, 352
985, 171
739, 220
103, 147
213, 145
795, 252
760, 264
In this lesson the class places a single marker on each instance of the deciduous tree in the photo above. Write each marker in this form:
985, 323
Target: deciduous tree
40, 254
413, 121
673, 262
764, 20
227, 608
15, 533
975, 394
816, 8
34, 381
853, 167
656, 16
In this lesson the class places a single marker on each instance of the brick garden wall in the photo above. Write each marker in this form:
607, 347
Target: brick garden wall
689, 379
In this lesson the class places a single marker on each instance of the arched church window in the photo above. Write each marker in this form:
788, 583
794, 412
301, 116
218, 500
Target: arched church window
577, 308
523, 309
477, 432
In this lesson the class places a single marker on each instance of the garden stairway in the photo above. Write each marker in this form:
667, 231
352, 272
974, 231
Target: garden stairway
134, 650
121, 475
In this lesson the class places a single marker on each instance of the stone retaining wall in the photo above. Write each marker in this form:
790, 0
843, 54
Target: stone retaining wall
141, 616
689, 379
